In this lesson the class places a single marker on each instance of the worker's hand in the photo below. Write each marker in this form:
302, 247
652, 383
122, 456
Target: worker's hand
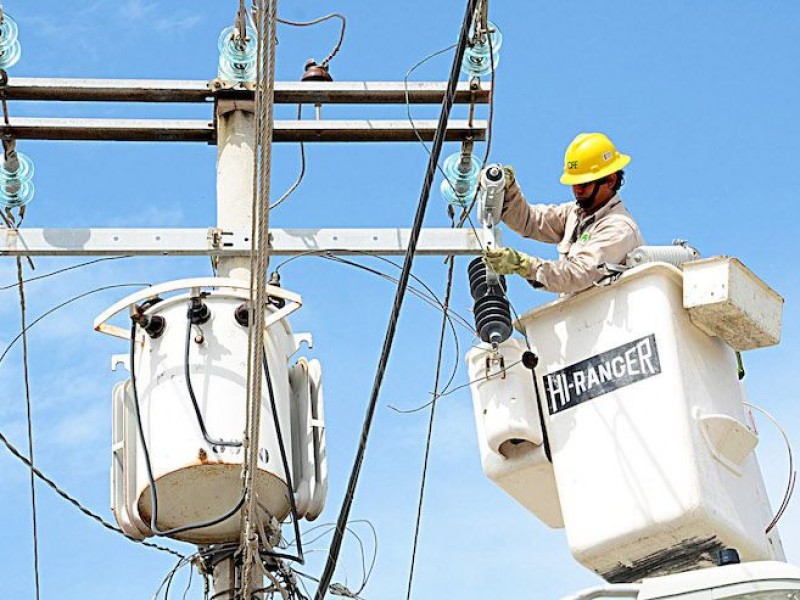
505, 261
511, 176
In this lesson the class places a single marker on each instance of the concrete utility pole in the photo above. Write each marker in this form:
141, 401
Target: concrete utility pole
236, 156
236, 159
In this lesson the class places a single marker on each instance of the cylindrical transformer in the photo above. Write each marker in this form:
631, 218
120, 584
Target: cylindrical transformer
198, 481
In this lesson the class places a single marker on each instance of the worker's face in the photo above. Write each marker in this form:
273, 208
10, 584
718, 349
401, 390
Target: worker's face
593, 195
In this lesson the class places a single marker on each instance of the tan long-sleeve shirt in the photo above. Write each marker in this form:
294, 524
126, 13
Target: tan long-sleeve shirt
584, 241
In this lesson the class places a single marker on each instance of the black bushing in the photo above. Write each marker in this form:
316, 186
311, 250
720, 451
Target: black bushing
242, 314
153, 326
198, 312
478, 285
276, 302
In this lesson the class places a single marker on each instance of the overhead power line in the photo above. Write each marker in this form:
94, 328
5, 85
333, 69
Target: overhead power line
430, 172
29, 413
92, 515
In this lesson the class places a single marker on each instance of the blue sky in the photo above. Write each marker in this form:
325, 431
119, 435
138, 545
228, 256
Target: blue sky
703, 96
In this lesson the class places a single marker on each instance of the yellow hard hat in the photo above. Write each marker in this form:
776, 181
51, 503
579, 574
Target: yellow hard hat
591, 156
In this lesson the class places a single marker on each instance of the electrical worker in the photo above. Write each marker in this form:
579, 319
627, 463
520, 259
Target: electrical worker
593, 230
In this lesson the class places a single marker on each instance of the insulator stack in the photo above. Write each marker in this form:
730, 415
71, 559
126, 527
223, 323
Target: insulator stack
482, 57
491, 309
237, 56
16, 180
461, 182
10, 48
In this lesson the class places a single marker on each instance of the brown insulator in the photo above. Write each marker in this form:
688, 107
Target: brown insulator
315, 72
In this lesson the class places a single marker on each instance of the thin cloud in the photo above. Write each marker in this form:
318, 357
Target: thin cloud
136, 10
178, 25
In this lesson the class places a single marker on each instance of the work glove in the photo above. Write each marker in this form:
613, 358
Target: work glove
505, 261
511, 176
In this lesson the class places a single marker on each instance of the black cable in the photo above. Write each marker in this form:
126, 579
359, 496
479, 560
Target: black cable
54, 486
540, 411
62, 305
445, 312
408, 105
149, 466
333, 255
366, 571
64, 270
299, 179
407, 411
292, 503
431, 299
429, 435
187, 375
29, 414
339, 42
430, 172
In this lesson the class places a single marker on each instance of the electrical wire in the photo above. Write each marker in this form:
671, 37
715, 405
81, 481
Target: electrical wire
299, 179
39, 474
445, 314
29, 413
188, 585
438, 141
64, 270
148, 464
339, 42
465, 215
365, 570
431, 299
187, 376
787, 496
429, 435
407, 411
284, 460
408, 105
94, 516
62, 305
182, 562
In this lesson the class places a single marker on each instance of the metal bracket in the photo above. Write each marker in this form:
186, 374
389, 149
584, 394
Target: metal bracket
495, 358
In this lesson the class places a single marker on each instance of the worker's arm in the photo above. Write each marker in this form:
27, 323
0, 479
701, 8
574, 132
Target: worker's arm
608, 243
541, 222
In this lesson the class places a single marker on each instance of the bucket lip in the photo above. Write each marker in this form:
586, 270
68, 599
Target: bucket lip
573, 300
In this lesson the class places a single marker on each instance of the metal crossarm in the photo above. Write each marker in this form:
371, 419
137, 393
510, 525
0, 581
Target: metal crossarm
179, 91
195, 130
217, 242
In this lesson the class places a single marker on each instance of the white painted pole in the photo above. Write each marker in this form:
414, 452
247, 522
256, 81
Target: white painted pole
236, 146
236, 156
